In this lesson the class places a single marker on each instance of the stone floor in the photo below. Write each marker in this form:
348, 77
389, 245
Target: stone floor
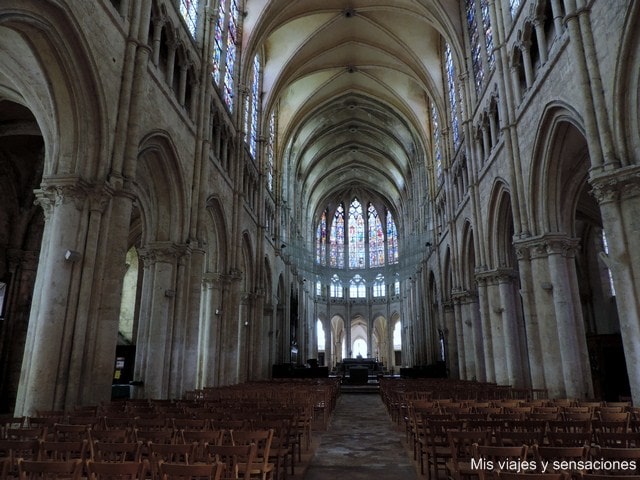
361, 442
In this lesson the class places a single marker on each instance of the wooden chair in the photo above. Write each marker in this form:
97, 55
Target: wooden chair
622, 455
117, 435
200, 439
49, 469
69, 433
568, 439
169, 453
508, 438
435, 450
282, 451
63, 451
553, 454
462, 445
12, 450
262, 439
117, 471
116, 452
199, 424
490, 458
173, 471
232, 456
532, 476
618, 439
26, 433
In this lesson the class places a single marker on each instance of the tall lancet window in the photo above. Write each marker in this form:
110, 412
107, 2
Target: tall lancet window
392, 240
376, 238
230, 62
271, 141
189, 12
488, 32
474, 42
218, 43
451, 87
321, 240
356, 235
336, 239
255, 106
437, 150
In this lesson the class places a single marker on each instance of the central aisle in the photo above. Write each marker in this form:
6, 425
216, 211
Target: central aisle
361, 443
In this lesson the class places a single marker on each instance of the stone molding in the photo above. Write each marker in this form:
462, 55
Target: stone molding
545, 245
619, 184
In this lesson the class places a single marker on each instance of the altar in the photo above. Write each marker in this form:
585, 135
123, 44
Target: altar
359, 370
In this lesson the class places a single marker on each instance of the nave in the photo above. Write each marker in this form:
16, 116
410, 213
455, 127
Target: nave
361, 442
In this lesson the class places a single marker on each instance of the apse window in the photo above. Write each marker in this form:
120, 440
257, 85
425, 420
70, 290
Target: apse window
605, 248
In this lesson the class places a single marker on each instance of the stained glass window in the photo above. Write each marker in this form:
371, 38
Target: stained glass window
230, 62
189, 11
437, 151
474, 42
336, 239
379, 287
514, 6
271, 140
357, 287
376, 238
336, 287
488, 32
218, 43
392, 240
396, 286
453, 102
321, 240
356, 235
255, 103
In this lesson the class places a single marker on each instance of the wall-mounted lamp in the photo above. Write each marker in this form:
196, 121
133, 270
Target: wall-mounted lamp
428, 244
218, 311
169, 293
71, 256
548, 286
246, 323
282, 246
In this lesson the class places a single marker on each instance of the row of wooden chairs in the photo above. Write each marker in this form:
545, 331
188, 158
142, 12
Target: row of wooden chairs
73, 470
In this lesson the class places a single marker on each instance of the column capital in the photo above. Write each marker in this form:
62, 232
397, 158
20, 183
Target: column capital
166, 252
497, 276
615, 185
544, 245
56, 191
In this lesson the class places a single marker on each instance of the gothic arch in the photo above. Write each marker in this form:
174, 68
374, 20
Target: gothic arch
468, 258
216, 237
42, 44
160, 190
626, 96
500, 223
559, 171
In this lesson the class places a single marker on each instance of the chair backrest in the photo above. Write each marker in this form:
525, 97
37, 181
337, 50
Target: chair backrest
69, 433
462, 443
569, 439
49, 469
617, 439
233, 456
621, 460
559, 455
509, 438
261, 438
173, 471
533, 476
54, 450
116, 435
117, 471
116, 452
155, 436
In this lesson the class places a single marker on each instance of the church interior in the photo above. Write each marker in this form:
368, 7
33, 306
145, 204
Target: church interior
206, 193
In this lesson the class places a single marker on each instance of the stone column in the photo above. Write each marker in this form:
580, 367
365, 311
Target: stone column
485, 326
451, 337
47, 353
618, 194
157, 318
534, 359
571, 331
497, 325
514, 345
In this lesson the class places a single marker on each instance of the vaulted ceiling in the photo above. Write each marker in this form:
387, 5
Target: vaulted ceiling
351, 80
